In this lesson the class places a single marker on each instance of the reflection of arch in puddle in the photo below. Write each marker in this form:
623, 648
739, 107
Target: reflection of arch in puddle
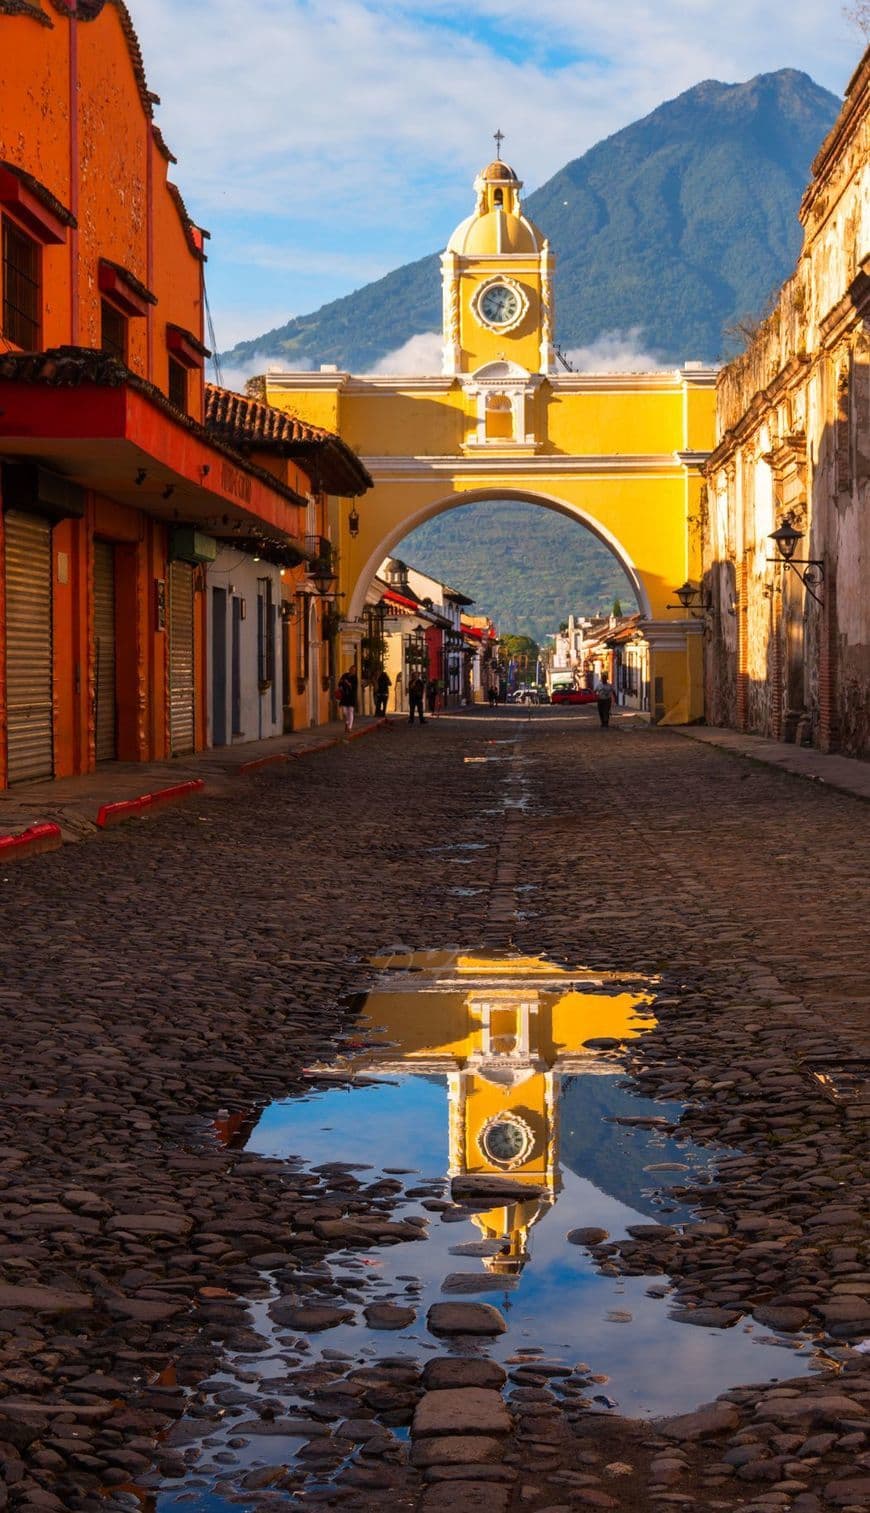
503, 1032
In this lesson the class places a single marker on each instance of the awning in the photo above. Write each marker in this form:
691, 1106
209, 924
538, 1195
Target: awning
122, 438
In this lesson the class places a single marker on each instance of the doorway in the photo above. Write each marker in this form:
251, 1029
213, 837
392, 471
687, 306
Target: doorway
219, 666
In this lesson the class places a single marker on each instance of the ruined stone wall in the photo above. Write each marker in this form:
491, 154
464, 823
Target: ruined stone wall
793, 429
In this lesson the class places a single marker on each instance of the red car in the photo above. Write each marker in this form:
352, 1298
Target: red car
565, 695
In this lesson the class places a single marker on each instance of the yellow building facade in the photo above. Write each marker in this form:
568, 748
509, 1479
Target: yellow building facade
622, 454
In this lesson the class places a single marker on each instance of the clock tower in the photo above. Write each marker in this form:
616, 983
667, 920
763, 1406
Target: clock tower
497, 283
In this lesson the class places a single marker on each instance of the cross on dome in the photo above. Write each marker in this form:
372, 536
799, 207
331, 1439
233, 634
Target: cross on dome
498, 138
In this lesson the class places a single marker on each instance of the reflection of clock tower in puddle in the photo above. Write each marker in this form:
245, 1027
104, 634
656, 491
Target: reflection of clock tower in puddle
503, 1112
498, 316
503, 1033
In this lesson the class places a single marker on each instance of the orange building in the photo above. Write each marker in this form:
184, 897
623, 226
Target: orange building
114, 494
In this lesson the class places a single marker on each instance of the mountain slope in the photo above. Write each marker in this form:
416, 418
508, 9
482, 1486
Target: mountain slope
678, 224
525, 565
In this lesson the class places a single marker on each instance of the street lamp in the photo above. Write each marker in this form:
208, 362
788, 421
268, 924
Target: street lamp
786, 539
323, 578
692, 599
353, 521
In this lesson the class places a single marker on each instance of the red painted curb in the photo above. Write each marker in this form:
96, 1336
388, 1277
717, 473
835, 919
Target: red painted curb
115, 814
43, 837
266, 761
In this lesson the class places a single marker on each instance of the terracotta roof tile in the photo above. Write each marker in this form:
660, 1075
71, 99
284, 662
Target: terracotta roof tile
25, 8
250, 425
90, 10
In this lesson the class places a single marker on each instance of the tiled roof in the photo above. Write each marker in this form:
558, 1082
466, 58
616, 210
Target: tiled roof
39, 191
192, 231
250, 426
72, 367
89, 10
25, 8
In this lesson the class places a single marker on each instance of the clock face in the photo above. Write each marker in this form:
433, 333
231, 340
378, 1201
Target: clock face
499, 305
504, 1141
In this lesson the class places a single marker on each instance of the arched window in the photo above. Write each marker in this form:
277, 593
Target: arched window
499, 417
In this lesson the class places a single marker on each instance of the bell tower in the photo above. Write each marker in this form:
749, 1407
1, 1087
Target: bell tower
497, 282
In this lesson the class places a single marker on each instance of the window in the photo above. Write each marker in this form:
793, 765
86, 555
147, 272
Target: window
113, 331
178, 385
499, 417
21, 292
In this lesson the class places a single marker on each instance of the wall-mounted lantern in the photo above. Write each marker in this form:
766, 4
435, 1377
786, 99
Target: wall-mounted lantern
694, 600
786, 540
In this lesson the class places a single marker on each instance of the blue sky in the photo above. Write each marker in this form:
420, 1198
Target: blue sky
324, 144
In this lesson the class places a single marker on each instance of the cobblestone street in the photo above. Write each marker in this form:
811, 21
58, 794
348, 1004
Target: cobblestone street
166, 980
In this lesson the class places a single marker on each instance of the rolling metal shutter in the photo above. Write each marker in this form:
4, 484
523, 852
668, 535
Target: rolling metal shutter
182, 688
28, 647
104, 651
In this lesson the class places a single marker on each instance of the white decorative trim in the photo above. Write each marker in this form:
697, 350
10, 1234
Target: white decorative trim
665, 380
389, 383
499, 280
669, 635
313, 380
542, 465
693, 459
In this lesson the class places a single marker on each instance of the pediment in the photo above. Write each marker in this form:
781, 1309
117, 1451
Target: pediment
501, 372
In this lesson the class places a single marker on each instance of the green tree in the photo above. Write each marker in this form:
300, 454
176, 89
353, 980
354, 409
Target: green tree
617, 607
521, 646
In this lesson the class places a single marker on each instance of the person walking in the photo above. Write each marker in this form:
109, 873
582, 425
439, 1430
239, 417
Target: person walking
432, 696
605, 695
383, 683
347, 698
416, 691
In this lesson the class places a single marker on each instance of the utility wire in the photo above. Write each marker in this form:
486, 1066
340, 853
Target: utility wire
215, 359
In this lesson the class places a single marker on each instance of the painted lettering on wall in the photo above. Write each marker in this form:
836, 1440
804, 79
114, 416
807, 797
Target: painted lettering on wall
235, 483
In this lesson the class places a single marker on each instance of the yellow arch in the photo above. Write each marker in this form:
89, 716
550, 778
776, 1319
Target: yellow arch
460, 496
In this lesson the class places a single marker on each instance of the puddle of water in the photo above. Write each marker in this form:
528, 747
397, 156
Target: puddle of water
491, 1068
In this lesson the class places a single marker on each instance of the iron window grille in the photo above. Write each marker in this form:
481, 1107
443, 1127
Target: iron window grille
113, 331
178, 385
22, 295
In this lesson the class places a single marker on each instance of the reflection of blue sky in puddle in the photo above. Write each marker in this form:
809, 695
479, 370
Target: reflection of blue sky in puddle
560, 1302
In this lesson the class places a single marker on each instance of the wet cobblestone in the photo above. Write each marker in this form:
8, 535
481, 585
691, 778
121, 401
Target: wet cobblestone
174, 973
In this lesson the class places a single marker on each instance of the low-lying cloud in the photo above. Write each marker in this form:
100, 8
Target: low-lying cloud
616, 352
419, 356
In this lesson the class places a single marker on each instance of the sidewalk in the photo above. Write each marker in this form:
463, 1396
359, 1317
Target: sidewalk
846, 774
75, 804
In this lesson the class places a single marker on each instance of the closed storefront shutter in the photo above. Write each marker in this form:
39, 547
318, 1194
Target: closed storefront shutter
182, 692
28, 647
104, 650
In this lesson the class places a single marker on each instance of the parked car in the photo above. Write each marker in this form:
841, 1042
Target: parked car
565, 694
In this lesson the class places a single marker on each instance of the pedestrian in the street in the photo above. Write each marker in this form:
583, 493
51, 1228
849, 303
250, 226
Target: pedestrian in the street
416, 691
383, 683
347, 698
605, 695
432, 695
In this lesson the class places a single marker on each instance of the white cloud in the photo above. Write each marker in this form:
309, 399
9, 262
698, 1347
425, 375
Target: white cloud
236, 375
331, 114
360, 124
419, 356
615, 352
